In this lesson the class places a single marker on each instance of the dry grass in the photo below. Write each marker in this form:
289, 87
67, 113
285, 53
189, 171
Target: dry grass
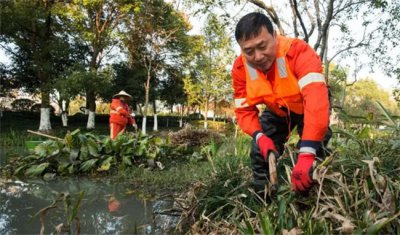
357, 192
190, 136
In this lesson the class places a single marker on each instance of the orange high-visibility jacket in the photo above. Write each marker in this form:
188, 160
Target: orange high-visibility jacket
295, 82
119, 113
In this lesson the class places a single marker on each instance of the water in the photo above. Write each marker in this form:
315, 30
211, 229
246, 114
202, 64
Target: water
108, 207
99, 212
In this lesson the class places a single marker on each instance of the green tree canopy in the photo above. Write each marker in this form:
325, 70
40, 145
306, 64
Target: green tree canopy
361, 98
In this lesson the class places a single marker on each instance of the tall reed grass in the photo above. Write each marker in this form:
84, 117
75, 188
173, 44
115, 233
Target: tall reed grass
356, 192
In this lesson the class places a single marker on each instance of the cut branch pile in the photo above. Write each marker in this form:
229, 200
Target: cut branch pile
190, 137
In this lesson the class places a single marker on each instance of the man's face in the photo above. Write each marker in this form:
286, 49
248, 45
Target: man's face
260, 51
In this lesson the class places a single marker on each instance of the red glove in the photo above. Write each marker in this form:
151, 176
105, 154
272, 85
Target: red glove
266, 145
301, 175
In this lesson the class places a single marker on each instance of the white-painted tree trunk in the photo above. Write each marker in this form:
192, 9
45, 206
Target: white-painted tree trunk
180, 123
144, 125
90, 122
45, 124
205, 125
155, 126
64, 118
64, 114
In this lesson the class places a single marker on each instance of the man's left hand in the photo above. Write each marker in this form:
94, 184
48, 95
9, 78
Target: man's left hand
302, 172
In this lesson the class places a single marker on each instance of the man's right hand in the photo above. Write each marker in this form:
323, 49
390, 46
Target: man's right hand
265, 144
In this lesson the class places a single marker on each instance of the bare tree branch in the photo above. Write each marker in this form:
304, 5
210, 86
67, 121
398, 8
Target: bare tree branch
271, 13
311, 17
350, 47
325, 27
297, 15
296, 31
349, 5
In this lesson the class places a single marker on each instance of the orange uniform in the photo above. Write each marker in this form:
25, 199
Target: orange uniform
294, 84
119, 117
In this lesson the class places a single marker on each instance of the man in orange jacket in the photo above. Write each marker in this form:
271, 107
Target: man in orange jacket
119, 114
285, 74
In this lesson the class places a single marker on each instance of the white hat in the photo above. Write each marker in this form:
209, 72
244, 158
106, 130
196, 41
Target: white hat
122, 93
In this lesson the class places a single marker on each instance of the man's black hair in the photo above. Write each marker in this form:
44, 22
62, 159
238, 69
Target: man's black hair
251, 24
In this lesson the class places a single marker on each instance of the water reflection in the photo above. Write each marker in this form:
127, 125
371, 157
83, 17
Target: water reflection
107, 207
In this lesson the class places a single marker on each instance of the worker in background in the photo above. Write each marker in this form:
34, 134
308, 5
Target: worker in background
120, 115
284, 74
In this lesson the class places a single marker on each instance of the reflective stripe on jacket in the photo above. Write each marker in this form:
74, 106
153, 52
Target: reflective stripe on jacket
295, 83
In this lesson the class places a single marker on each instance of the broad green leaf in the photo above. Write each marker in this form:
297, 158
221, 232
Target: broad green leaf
68, 140
84, 152
71, 169
106, 164
31, 157
126, 160
92, 137
82, 139
75, 132
157, 141
108, 146
139, 150
63, 167
151, 154
19, 169
73, 155
54, 153
116, 145
93, 148
86, 165
36, 170
129, 142
41, 150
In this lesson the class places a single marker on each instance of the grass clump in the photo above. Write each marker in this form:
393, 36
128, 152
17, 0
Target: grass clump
356, 192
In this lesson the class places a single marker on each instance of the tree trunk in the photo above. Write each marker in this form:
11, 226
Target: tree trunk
91, 120
146, 102
205, 114
90, 94
64, 112
181, 112
155, 127
45, 124
43, 73
91, 108
144, 125
215, 110
64, 119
